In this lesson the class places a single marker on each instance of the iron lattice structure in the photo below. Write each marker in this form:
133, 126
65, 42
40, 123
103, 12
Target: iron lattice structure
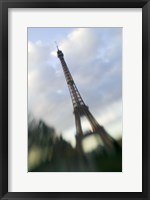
81, 109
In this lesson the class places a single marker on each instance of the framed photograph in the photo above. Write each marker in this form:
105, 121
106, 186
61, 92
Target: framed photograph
74, 106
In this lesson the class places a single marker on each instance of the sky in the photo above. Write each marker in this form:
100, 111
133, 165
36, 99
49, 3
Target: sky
94, 58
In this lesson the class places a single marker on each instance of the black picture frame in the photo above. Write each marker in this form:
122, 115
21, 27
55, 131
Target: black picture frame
4, 6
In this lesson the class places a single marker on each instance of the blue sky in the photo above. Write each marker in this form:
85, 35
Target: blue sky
48, 34
94, 57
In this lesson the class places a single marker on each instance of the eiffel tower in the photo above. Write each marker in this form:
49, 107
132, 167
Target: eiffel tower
80, 109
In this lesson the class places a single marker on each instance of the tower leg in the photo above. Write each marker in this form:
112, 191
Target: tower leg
79, 143
78, 123
110, 144
92, 120
79, 134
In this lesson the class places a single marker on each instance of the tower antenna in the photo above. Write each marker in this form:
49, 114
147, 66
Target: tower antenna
56, 45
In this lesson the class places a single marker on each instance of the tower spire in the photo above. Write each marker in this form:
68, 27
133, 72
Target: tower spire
56, 46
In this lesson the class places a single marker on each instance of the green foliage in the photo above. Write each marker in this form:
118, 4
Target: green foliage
48, 152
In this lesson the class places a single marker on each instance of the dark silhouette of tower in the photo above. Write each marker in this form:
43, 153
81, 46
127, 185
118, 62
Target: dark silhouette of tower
81, 109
